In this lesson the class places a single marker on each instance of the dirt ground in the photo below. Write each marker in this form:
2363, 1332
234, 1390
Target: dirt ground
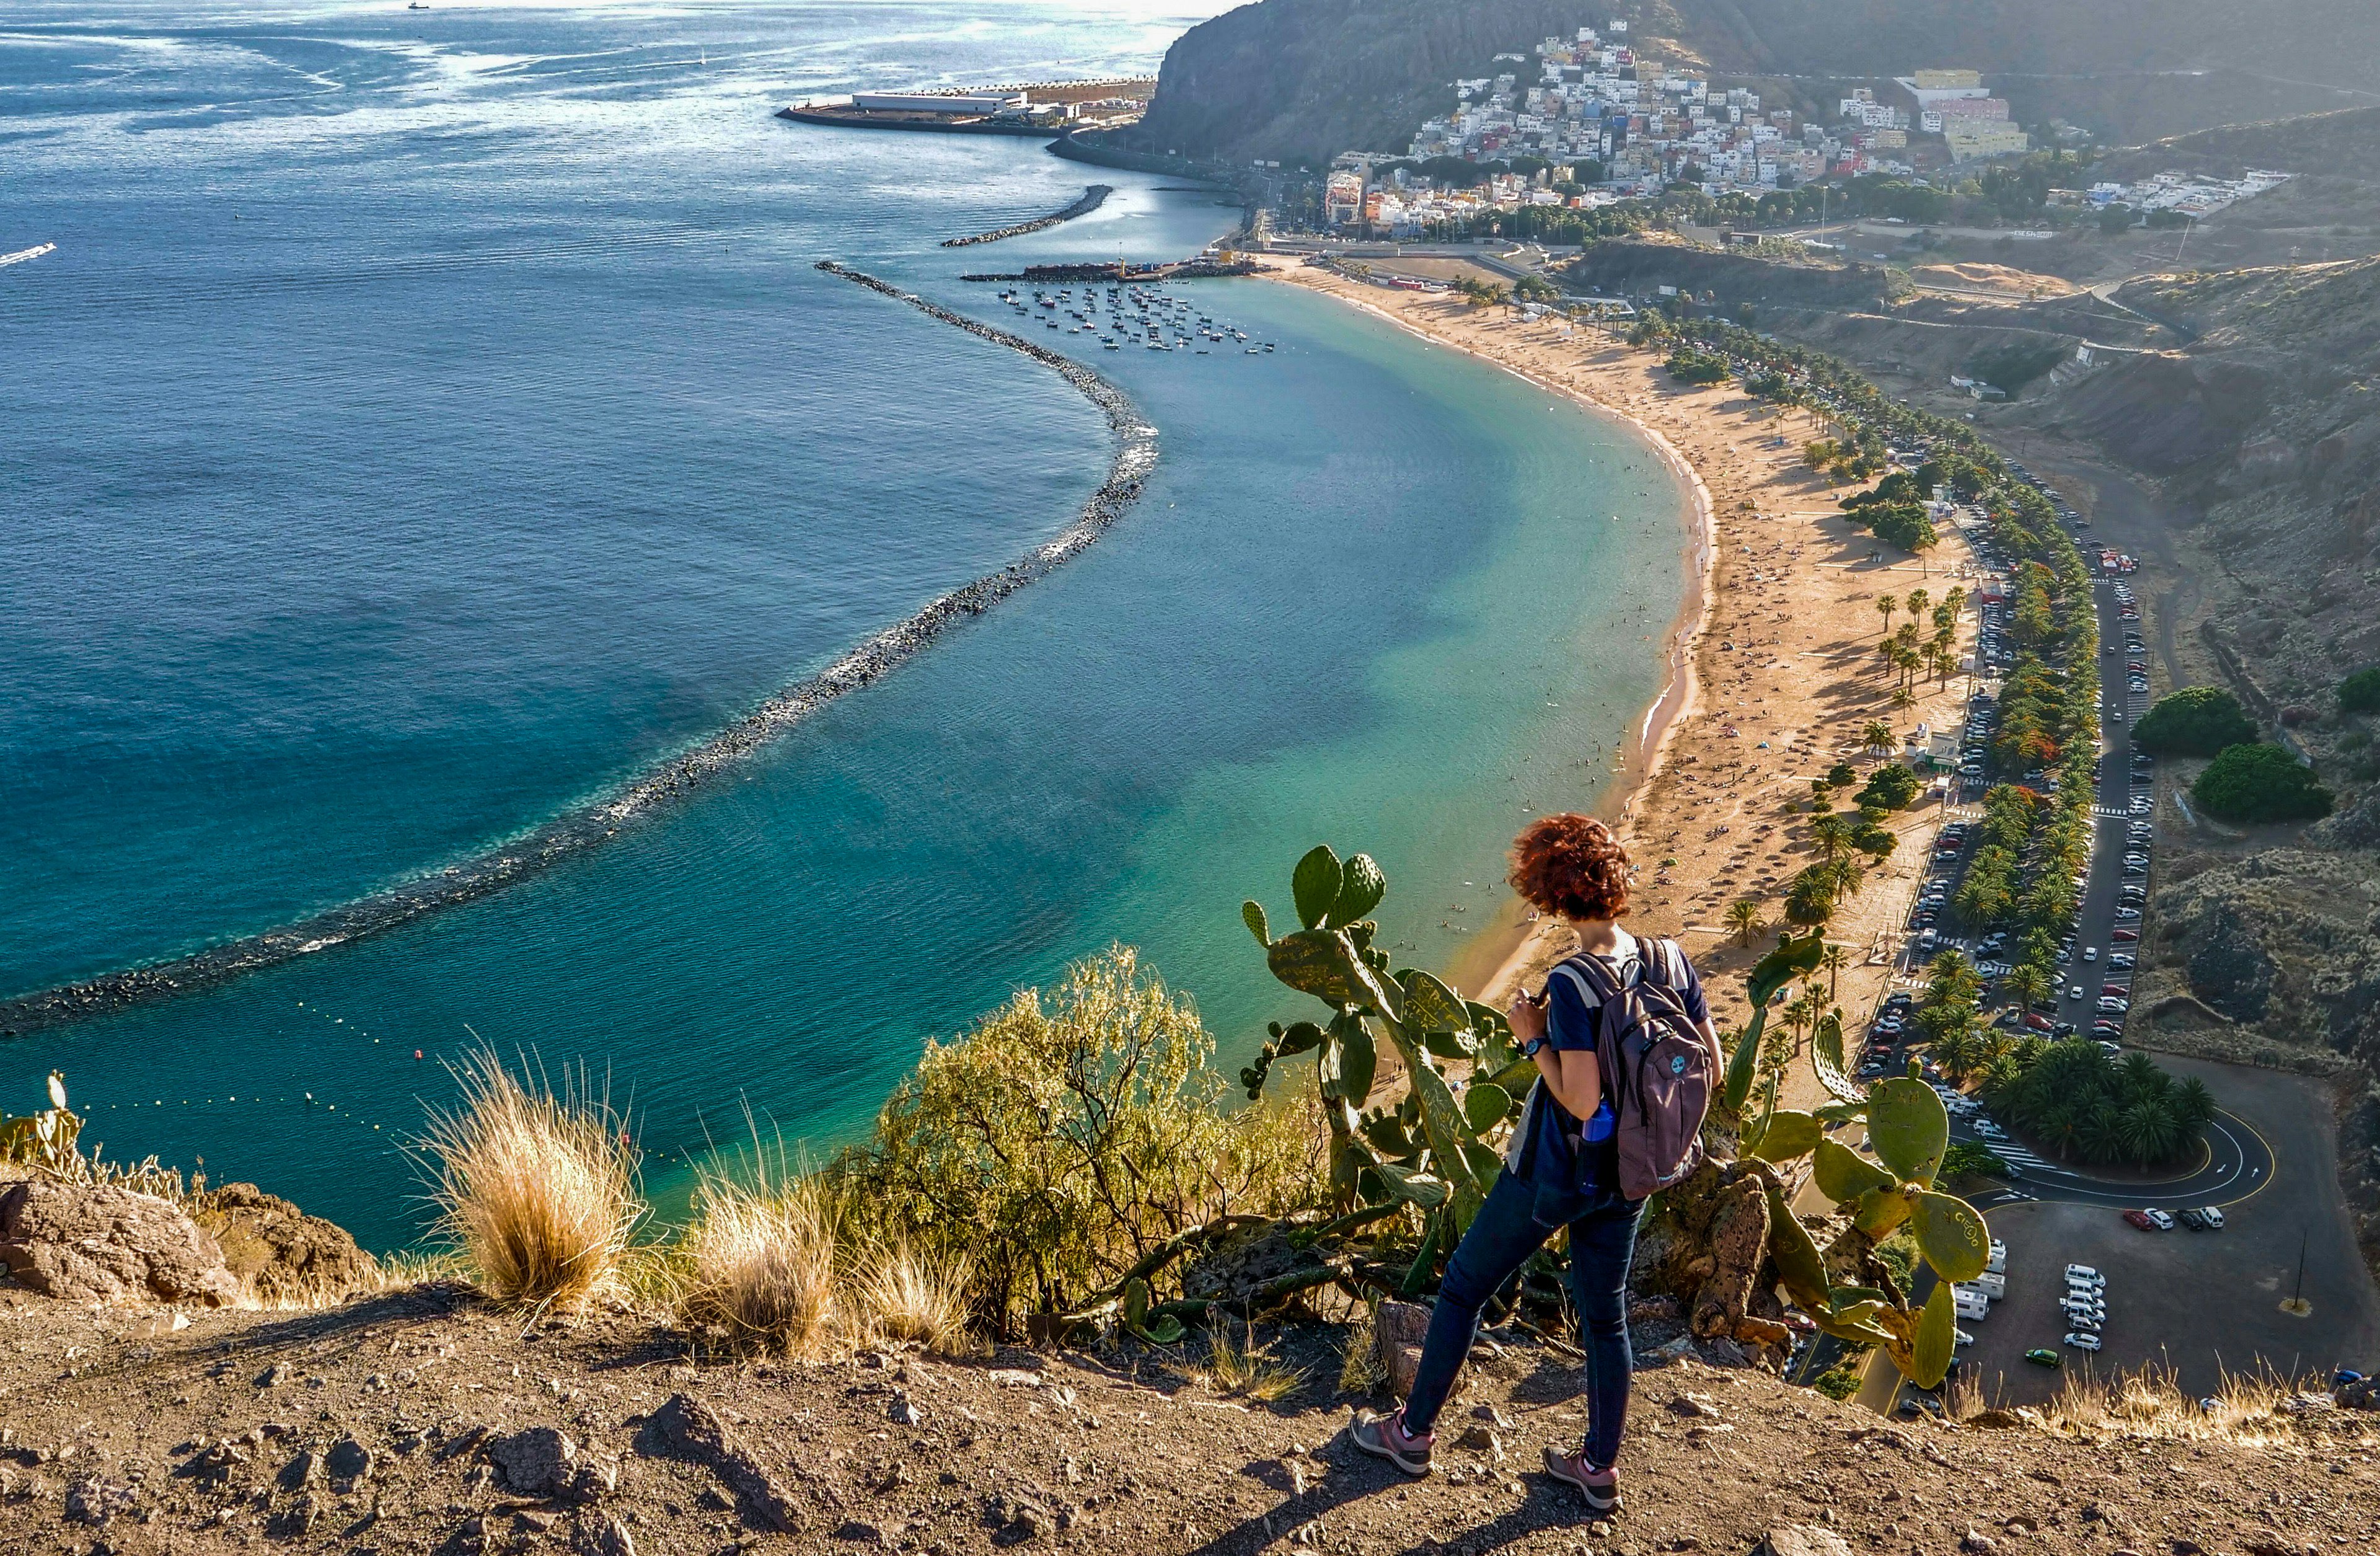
422, 1421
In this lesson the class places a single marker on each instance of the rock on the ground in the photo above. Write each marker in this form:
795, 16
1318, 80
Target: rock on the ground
279, 1251
536, 1463
1398, 1329
84, 1243
1802, 1539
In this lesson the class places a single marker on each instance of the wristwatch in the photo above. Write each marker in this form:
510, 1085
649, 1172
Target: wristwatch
1529, 1049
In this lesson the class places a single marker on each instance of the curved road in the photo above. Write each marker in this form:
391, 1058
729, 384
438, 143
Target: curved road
2234, 1162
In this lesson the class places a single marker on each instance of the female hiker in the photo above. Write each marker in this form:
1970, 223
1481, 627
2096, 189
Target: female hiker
1590, 1145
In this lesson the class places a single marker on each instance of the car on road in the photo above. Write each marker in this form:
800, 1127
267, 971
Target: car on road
2074, 993
2140, 1220
2040, 1356
2090, 953
2082, 1342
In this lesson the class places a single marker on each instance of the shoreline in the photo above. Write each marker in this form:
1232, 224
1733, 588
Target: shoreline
580, 825
1774, 674
1504, 948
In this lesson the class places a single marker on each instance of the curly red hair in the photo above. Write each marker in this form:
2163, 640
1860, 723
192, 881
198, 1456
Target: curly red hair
1571, 865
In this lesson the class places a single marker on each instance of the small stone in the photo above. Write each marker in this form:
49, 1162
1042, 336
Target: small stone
1975, 1544
534, 1520
348, 1460
1492, 1415
906, 1412
1802, 1539
273, 1376
535, 1463
302, 1471
1479, 1440
607, 1538
1694, 1406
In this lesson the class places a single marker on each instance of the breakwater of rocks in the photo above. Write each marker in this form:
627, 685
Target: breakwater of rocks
585, 825
1094, 196
1173, 270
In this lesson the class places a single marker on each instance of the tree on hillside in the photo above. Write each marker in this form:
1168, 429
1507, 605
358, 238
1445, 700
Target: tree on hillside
2194, 721
2360, 693
2259, 783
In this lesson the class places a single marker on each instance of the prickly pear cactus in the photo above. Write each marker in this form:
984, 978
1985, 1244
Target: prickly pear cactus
1426, 1140
1847, 1291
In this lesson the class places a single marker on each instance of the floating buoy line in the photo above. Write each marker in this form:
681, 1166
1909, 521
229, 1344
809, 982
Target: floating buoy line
307, 1102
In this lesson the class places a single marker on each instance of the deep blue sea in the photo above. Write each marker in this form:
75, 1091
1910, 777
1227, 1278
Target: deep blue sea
430, 419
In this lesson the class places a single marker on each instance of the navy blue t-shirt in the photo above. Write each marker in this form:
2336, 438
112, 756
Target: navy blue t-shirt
1571, 1028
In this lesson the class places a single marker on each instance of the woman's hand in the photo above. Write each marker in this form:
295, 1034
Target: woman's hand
1527, 1017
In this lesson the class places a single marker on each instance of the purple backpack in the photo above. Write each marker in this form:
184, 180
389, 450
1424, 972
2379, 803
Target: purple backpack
1656, 1066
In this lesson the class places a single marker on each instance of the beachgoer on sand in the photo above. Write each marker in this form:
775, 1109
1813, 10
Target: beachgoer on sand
1627, 1058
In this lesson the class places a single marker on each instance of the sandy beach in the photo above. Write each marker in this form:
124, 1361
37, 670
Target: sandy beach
1775, 670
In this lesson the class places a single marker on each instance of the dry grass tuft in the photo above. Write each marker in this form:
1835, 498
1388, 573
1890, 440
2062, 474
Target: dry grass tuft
536, 1191
904, 1296
1242, 1367
1361, 1371
2246, 1410
759, 1258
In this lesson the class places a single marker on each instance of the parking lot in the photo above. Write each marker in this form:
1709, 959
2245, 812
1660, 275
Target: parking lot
2198, 1301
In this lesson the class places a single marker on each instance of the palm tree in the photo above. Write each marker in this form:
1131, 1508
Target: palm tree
1835, 958
1744, 917
1878, 736
2194, 1105
1918, 600
1886, 604
1903, 698
1832, 834
2029, 984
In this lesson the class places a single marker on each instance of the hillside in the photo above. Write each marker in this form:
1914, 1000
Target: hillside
423, 1420
1312, 78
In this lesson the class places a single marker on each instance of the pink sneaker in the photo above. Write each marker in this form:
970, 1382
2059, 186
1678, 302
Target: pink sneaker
1384, 1437
1599, 1486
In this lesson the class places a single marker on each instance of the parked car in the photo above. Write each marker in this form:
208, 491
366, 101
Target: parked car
2085, 1273
2213, 1217
2041, 1358
2163, 1220
2124, 937
2083, 1342
2140, 1220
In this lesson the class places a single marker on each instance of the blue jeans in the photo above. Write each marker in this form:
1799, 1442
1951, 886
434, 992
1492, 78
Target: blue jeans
1515, 1223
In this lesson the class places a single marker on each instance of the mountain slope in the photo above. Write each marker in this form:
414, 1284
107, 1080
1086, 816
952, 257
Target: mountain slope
1309, 79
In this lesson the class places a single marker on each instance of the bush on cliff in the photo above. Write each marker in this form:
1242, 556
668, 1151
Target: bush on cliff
1066, 1135
2360, 693
2193, 722
2260, 784
536, 1188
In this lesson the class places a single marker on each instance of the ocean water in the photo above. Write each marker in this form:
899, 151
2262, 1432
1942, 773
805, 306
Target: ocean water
429, 420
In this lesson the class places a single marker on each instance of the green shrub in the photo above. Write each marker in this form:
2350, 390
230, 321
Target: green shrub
1842, 1381
2194, 721
1065, 1137
1891, 786
2261, 783
1690, 366
2360, 693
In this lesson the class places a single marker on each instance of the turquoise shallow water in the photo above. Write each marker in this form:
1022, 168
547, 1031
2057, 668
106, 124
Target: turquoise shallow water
415, 458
